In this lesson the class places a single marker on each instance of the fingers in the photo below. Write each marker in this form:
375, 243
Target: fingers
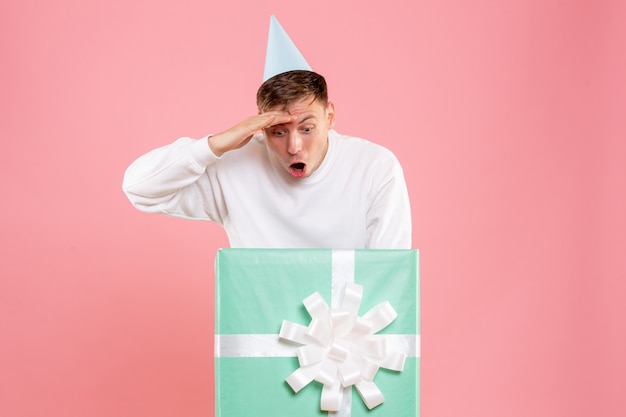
240, 135
276, 117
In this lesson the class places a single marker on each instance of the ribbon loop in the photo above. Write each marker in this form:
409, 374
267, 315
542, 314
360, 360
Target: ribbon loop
327, 373
338, 353
349, 372
370, 394
320, 331
293, 332
342, 321
310, 354
316, 306
302, 376
352, 296
394, 361
380, 316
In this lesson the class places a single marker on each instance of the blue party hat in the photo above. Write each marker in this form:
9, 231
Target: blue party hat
282, 54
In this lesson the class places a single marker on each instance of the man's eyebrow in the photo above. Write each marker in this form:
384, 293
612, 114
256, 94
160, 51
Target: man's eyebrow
305, 118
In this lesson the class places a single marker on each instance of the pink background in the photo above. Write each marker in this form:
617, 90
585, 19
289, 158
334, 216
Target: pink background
508, 117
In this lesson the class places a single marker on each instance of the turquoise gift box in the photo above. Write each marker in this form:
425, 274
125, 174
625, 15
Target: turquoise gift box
258, 289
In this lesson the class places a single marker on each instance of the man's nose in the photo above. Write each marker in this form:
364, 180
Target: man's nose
295, 144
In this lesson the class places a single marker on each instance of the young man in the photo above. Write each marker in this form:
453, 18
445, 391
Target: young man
296, 184
283, 178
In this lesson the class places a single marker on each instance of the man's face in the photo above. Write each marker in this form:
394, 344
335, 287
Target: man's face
301, 145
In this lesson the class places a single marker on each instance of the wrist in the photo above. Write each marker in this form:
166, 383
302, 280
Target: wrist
213, 142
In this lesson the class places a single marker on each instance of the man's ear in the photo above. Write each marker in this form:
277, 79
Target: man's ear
330, 113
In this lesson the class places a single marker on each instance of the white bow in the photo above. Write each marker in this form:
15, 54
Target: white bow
340, 349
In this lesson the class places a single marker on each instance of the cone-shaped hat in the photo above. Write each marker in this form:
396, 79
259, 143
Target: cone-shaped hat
282, 54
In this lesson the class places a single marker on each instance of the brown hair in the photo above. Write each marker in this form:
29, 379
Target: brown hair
289, 87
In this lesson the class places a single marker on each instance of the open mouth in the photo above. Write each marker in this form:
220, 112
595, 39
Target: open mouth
297, 170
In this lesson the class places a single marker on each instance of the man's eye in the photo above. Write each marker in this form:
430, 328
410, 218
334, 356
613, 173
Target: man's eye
307, 129
278, 132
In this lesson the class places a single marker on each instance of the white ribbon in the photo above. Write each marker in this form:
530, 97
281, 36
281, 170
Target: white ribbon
338, 348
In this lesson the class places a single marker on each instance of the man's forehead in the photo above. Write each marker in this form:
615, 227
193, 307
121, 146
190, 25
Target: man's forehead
303, 105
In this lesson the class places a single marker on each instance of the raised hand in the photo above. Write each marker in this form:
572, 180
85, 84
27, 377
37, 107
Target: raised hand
240, 134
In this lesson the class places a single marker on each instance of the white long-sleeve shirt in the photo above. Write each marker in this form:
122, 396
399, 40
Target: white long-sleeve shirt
357, 198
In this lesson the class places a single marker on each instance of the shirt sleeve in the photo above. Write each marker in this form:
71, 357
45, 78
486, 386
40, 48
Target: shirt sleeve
389, 214
173, 180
